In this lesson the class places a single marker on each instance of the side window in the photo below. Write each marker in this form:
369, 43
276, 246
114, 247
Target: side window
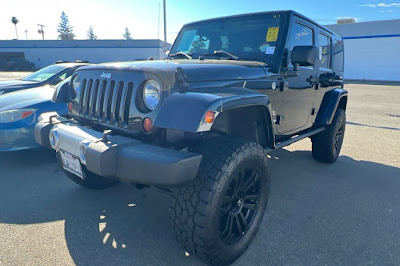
300, 35
325, 50
338, 54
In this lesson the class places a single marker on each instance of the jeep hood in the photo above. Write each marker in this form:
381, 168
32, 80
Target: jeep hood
13, 85
195, 70
26, 98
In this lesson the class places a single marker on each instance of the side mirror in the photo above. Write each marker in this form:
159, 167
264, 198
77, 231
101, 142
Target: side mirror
304, 56
62, 93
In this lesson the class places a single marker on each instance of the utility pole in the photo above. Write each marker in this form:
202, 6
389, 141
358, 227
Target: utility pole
41, 31
165, 21
26, 34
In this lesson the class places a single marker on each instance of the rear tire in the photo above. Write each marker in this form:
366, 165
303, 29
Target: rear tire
217, 215
326, 145
90, 180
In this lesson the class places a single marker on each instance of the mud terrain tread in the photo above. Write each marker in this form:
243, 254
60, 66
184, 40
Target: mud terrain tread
323, 143
190, 202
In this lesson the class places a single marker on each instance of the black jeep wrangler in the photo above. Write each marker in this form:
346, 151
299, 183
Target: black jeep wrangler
200, 123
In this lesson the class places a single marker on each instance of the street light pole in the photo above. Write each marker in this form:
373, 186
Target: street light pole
165, 21
41, 31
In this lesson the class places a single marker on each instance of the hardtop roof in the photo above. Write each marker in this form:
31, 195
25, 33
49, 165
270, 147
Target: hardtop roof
290, 12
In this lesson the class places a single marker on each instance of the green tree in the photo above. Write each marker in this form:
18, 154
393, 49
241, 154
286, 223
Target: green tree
90, 34
127, 35
15, 21
64, 29
198, 46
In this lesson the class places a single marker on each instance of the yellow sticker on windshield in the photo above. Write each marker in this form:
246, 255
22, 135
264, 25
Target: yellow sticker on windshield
272, 34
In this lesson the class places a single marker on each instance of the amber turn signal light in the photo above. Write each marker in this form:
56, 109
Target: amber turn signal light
70, 107
210, 117
147, 124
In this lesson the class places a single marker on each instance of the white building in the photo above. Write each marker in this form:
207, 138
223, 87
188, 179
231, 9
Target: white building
372, 49
43, 53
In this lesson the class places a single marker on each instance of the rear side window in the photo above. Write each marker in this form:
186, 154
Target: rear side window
325, 49
338, 55
300, 35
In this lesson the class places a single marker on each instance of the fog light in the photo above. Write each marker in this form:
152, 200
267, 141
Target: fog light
82, 150
54, 138
147, 124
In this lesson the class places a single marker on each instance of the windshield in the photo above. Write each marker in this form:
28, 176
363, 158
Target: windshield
44, 73
257, 37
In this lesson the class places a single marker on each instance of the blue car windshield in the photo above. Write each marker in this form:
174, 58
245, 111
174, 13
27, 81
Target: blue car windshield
45, 73
256, 37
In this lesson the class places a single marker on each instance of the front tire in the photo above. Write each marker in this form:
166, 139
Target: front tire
217, 215
326, 145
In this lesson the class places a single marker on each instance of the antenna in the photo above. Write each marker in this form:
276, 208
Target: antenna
165, 20
159, 14
26, 34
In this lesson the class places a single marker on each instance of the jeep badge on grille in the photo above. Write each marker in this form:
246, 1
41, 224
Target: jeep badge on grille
105, 75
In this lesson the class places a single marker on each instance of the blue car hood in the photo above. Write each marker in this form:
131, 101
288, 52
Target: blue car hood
13, 85
26, 98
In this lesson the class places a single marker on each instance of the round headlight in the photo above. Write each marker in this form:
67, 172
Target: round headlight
151, 94
76, 83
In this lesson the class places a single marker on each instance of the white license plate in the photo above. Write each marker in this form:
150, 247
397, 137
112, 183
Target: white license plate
71, 163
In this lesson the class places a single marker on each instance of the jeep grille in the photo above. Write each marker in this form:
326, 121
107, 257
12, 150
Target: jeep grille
107, 101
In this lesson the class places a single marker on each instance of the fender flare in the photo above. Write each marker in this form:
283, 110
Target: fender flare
330, 104
186, 111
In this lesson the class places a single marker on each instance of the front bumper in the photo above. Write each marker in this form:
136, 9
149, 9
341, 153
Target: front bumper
120, 158
14, 139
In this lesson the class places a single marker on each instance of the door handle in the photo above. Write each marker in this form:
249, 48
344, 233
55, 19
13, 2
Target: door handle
284, 86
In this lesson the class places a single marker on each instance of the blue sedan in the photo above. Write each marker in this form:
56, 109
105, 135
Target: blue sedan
19, 112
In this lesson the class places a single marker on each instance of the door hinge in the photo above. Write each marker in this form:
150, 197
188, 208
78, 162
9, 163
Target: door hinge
278, 119
313, 111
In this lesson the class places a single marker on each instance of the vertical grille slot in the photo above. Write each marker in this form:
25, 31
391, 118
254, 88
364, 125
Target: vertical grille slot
116, 101
86, 99
82, 94
100, 100
93, 97
125, 104
107, 101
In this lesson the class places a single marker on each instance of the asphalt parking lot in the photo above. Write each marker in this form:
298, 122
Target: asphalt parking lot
347, 213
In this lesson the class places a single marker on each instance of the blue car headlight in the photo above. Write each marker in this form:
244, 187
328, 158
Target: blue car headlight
10, 116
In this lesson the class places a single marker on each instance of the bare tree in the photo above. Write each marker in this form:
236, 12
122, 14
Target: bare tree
127, 35
90, 34
15, 21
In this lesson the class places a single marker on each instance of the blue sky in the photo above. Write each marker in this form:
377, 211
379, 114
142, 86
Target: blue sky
109, 18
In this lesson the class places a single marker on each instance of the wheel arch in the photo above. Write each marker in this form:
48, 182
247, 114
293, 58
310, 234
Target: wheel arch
252, 123
186, 112
333, 99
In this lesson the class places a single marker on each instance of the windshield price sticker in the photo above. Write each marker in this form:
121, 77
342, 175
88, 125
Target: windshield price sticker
272, 34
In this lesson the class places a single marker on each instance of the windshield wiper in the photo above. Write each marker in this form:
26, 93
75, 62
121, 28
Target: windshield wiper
222, 53
181, 54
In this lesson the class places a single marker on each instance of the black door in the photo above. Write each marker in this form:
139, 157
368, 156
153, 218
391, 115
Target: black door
297, 93
330, 65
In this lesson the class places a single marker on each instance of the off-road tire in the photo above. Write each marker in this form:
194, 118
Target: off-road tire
90, 180
195, 213
326, 145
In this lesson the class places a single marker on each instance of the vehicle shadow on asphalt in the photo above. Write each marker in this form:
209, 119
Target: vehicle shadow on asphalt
308, 206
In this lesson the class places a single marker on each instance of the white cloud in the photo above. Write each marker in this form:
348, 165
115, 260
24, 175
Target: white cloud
383, 5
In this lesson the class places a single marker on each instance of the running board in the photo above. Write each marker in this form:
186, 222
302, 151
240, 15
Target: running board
295, 139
